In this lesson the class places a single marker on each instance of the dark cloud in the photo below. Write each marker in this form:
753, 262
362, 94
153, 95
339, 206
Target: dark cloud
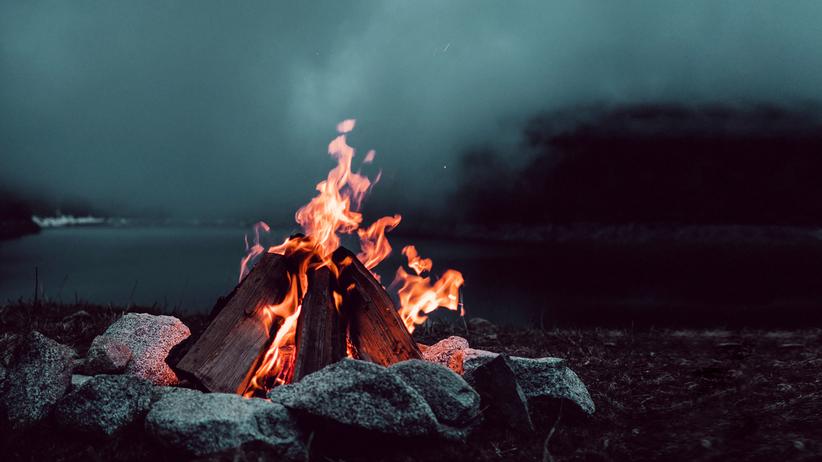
225, 109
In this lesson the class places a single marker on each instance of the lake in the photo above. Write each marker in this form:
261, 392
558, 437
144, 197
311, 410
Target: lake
587, 281
188, 268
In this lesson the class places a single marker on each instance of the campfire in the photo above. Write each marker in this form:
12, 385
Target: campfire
309, 302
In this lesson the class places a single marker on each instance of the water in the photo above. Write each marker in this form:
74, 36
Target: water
187, 268
586, 280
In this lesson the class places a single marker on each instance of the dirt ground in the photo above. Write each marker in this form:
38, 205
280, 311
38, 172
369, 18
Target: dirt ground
661, 394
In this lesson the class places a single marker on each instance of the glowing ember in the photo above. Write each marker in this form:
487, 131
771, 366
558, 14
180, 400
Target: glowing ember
334, 211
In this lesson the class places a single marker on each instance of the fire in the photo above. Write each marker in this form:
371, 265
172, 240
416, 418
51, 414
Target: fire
418, 296
375, 247
334, 211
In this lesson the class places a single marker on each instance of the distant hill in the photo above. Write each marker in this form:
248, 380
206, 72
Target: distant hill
758, 165
15, 217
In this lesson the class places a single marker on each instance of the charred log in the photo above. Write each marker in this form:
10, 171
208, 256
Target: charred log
320, 329
225, 356
376, 330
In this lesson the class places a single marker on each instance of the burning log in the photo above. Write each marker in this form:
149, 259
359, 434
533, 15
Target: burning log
225, 356
375, 328
320, 329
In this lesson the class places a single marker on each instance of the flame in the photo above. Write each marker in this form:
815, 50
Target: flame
331, 212
254, 250
274, 360
417, 263
418, 296
374, 245
334, 211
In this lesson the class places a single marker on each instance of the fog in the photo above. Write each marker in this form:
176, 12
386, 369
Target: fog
218, 109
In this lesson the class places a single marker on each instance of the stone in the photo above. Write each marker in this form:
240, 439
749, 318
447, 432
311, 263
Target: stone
38, 376
78, 379
551, 378
453, 401
104, 404
539, 378
360, 395
150, 339
221, 424
447, 352
497, 384
105, 356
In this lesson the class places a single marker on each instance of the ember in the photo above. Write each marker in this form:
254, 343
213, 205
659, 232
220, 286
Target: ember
309, 302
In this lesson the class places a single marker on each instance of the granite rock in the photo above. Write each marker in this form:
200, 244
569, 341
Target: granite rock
224, 425
150, 338
39, 374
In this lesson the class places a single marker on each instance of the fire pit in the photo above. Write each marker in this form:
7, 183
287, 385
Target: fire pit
309, 302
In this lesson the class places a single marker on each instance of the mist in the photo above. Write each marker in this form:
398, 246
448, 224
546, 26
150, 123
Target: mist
207, 109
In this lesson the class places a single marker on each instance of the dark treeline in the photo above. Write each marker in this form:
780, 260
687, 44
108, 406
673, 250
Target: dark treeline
655, 163
15, 216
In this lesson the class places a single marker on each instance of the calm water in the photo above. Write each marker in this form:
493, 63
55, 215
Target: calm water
188, 268
703, 282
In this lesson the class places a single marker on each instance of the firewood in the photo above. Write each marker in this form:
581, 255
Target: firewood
320, 329
224, 357
375, 328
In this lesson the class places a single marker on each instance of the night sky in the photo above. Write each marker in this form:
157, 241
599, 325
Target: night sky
218, 109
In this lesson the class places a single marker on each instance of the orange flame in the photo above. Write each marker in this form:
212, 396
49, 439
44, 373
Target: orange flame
274, 360
374, 245
418, 296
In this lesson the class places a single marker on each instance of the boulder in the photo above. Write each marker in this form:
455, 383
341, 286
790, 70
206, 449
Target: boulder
497, 384
105, 356
360, 395
38, 376
104, 404
453, 401
226, 425
150, 338
539, 378
447, 352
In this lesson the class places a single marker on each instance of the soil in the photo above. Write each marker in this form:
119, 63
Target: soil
661, 394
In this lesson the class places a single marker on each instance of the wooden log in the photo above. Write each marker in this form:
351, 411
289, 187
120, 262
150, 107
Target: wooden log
375, 328
320, 329
225, 356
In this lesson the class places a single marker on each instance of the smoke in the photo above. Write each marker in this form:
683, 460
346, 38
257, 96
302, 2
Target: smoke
218, 109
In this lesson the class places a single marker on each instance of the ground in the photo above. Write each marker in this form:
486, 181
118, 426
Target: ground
661, 394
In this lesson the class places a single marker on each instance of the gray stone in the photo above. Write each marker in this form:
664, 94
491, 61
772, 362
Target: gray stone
447, 352
539, 378
150, 339
39, 375
104, 404
497, 383
206, 424
362, 395
77, 380
105, 356
453, 401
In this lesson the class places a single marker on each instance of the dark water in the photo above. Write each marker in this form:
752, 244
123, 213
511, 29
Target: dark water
187, 268
704, 281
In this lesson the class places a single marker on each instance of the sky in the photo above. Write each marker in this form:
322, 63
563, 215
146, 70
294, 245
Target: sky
225, 109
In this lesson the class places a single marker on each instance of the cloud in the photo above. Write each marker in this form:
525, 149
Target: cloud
226, 110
